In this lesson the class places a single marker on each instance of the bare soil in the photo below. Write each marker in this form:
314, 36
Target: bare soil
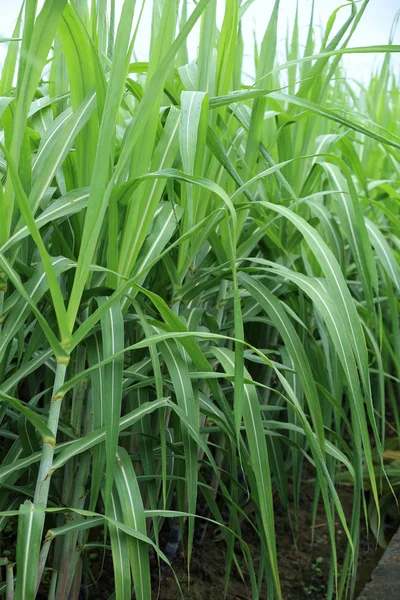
303, 566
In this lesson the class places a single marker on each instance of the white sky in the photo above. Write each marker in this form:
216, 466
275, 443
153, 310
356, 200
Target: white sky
373, 29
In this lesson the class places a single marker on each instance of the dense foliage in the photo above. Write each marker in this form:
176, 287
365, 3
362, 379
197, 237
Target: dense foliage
199, 288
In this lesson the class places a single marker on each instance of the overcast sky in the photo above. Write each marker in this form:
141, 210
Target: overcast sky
373, 29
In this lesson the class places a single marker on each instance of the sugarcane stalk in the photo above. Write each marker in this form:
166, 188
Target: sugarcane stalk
10, 581
73, 490
53, 583
44, 552
43, 480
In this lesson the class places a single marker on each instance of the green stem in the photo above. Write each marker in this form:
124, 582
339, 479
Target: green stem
43, 480
53, 583
44, 552
10, 581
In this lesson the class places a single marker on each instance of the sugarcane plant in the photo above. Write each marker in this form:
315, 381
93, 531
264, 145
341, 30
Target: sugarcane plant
199, 291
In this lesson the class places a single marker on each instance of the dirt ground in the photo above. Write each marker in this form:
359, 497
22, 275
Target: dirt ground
304, 568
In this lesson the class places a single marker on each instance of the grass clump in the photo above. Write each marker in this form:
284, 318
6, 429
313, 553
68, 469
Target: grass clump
199, 290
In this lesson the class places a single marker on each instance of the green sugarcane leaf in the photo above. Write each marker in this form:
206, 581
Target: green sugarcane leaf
275, 310
120, 551
98, 436
259, 459
384, 252
73, 202
30, 526
188, 402
18, 308
112, 327
31, 416
143, 208
55, 145
31, 68
134, 517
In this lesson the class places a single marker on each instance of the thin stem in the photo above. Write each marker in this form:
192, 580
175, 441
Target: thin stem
53, 583
43, 480
10, 581
44, 552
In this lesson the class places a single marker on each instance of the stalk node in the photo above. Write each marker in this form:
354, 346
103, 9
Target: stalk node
50, 441
62, 360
